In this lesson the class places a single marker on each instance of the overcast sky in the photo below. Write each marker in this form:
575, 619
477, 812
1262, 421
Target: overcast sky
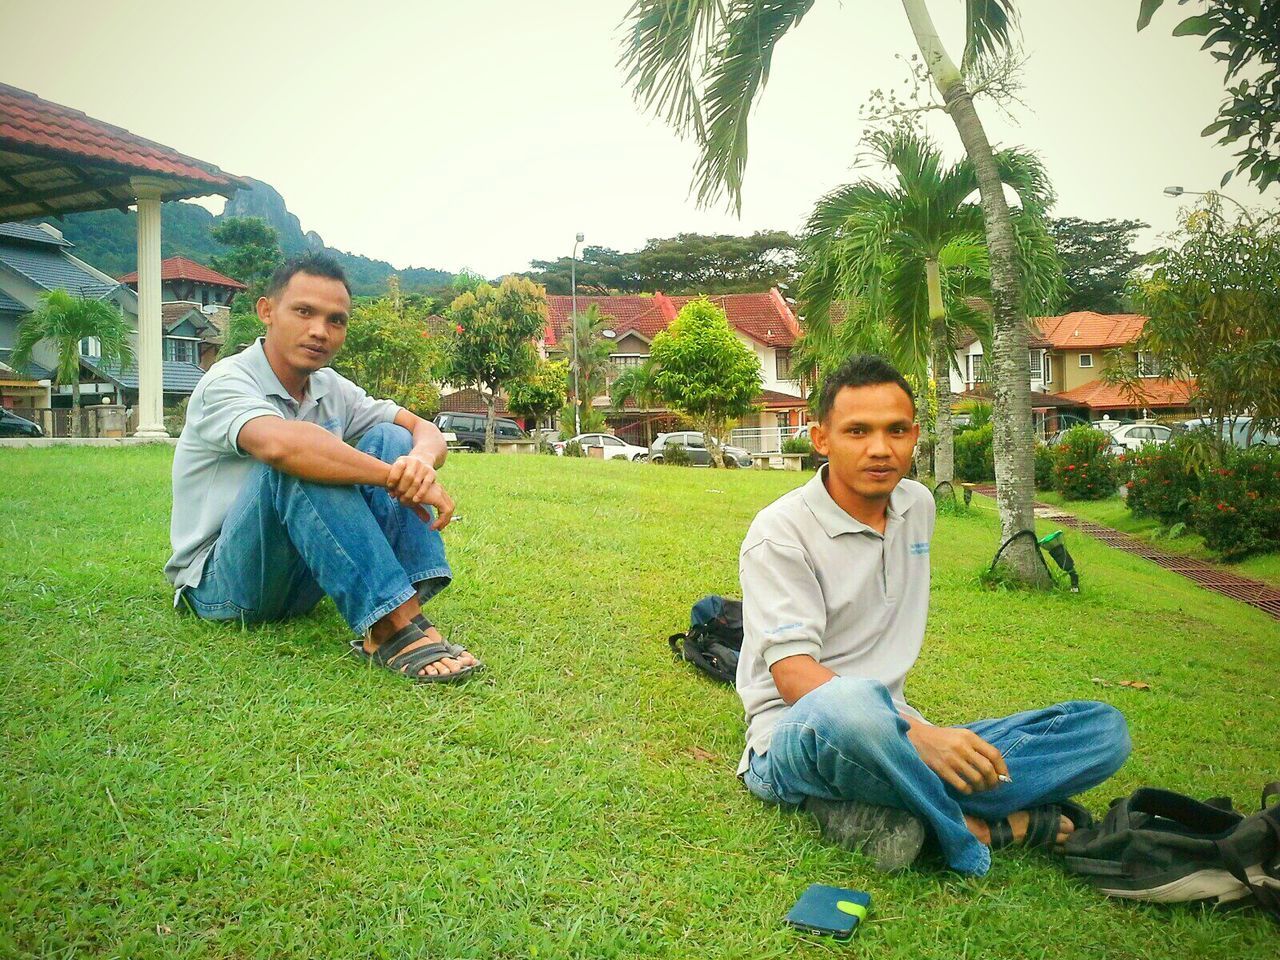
485, 133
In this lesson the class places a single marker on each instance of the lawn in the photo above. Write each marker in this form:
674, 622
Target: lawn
179, 789
1112, 512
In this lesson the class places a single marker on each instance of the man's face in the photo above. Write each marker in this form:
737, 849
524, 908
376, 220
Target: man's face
307, 321
868, 439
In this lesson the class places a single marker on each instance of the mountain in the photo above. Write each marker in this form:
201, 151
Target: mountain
108, 240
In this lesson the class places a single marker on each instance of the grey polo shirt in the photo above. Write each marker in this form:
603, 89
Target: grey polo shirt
209, 468
816, 581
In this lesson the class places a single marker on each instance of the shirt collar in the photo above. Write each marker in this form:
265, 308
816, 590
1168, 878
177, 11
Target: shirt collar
271, 385
833, 518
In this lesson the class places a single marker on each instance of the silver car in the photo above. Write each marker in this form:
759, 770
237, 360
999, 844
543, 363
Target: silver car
696, 447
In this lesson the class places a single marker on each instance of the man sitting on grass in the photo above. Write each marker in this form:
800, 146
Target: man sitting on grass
835, 582
273, 508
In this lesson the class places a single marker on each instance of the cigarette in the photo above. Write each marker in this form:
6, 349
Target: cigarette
1003, 779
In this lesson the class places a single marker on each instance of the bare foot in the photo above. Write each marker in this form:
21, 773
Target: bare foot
1018, 824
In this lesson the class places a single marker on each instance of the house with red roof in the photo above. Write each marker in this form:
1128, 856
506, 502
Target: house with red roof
764, 322
183, 279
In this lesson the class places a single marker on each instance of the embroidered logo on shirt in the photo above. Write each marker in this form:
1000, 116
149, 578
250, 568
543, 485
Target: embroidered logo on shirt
785, 626
920, 549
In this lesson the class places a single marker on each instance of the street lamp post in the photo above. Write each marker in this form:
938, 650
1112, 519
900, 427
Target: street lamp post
1179, 191
573, 331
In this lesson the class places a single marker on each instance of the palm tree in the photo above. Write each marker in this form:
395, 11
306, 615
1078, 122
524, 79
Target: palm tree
66, 320
700, 65
593, 351
912, 255
637, 384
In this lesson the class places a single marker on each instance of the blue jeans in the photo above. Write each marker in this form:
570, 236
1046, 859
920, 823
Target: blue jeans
846, 741
287, 542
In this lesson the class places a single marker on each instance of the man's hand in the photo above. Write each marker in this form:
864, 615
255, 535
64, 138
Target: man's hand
414, 482
960, 757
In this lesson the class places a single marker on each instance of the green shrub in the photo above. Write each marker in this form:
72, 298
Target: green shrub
675, 455
574, 449
1044, 467
800, 444
1237, 510
1083, 467
974, 459
1160, 481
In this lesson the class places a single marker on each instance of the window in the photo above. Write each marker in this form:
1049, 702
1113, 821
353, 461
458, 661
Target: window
1086, 360
610, 441
626, 361
1047, 361
782, 364
1160, 433
182, 350
1034, 363
694, 441
1148, 366
977, 371
90, 347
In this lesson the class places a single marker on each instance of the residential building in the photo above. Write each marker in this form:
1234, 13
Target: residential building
36, 259
1066, 360
184, 280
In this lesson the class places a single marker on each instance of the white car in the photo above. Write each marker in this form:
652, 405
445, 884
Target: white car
614, 449
1131, 436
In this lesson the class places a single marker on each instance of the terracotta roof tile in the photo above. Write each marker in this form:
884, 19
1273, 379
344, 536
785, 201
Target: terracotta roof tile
1152, 393
181, 268
1086, 330
27, 121
471, 400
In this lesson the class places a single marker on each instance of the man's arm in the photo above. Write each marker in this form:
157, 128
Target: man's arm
798, 675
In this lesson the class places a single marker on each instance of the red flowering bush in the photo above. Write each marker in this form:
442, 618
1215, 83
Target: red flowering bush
1237, 510
1161, 482
1083, 467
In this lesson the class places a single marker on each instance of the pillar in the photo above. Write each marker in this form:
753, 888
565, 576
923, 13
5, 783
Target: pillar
150, 333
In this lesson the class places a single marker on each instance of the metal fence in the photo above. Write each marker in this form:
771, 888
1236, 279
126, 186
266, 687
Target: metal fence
761, 439
94, 421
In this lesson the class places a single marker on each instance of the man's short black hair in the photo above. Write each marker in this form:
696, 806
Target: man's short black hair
860, 370
314, 264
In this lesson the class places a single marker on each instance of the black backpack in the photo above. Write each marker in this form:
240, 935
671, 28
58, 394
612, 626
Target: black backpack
714, 639
1163, 847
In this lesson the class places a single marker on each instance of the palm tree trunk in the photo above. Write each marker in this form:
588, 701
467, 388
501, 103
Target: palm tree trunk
944, 458
74, 427
1010, 386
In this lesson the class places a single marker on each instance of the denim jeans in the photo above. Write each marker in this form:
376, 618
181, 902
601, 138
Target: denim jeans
287, 542
845, 741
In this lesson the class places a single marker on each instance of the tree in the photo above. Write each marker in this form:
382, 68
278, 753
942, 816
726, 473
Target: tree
701, 64
1213, 316
705, 372
1242, 34
541, 392
491, 343
686, 263
65, 320
912, 256
253, 256
1097, 260
390, 353
593, 352
638, 384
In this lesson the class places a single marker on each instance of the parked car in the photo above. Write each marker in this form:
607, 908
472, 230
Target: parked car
1109, 425
1131, 436
696, 447
12, 425
1239, 431
614, 448
469, 428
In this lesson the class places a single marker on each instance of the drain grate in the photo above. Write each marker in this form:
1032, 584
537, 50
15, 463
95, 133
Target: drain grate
1210, 576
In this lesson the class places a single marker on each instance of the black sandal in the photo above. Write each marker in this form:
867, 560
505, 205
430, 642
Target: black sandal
455, 651
391, 656
1042, 826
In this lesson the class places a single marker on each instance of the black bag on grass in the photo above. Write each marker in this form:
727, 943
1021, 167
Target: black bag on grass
714, 639
1163, 847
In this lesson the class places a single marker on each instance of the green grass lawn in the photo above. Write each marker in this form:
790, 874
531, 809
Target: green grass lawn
180, 789
1113, 513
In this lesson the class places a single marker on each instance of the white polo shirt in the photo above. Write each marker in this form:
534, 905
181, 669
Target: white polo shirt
816, 581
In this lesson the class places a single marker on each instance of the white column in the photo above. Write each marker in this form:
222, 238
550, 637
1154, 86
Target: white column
150, 333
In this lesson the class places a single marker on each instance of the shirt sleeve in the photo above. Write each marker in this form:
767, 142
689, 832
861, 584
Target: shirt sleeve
362, 411
227, 403
783, 612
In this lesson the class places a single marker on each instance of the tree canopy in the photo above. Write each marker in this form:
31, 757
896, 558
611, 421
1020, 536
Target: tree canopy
1098, 260
1244, 36
705, 372
687, 263
390, 353
541, 392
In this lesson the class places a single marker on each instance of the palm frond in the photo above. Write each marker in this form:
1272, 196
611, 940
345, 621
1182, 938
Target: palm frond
668, 43
991, 27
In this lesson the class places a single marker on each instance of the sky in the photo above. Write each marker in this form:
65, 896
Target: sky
486, 133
